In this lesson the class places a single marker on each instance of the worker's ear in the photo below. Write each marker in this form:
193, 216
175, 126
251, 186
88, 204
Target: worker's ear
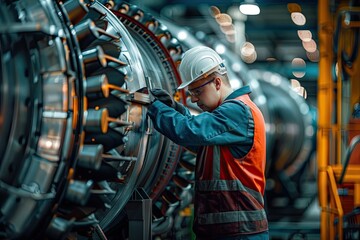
218, 83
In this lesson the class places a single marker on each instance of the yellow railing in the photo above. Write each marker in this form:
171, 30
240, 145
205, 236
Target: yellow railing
335, 205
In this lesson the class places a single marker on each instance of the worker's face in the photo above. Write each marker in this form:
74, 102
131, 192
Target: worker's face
205, 93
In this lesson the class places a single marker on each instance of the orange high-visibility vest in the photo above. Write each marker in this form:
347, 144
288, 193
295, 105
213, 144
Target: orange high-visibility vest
229, 191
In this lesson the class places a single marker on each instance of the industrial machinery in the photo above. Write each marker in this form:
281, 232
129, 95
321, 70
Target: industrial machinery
75, 141
78, 156
338, 125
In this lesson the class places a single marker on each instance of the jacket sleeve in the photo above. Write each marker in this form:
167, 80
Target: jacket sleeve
226, 125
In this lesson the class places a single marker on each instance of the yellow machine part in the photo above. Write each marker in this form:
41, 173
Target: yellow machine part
337, 95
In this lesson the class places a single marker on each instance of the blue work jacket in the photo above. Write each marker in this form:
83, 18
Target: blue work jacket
229, 124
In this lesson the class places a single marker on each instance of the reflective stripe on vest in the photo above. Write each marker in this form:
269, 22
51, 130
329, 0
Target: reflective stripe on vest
227, 185
216, 164
234, 216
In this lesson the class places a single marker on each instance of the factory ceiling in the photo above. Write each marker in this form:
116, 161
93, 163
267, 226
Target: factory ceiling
273, 33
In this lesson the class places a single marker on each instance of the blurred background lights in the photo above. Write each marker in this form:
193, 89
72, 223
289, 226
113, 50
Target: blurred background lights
248, 53
200, 35
294, 83
298, 74
249, 8
223, 19
271, 59
336, 69
235, 83
247, 49
302, 92
214, 11
293, 7
227, 28
230, 37
298, 63
220, 49
313, 56
236, 67
297, 88
298, 66
275, 79
298, 18
304, 35
182, 35
310, 46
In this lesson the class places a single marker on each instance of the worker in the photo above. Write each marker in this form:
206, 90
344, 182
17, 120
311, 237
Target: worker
228, 137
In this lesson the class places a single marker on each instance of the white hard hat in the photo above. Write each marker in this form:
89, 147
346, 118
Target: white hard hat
199, 62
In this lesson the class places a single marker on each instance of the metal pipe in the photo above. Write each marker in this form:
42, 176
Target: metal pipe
325, 98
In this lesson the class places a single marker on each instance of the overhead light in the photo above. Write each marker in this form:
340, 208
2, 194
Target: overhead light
249, 7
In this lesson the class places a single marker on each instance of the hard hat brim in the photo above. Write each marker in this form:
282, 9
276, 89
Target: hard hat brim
218, 68
185, 84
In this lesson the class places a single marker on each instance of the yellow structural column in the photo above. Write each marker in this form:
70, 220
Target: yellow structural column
325, 101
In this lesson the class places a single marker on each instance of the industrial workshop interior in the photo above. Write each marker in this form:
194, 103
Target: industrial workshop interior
80, 159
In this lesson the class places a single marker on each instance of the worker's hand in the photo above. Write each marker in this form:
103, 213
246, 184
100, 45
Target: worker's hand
163, 96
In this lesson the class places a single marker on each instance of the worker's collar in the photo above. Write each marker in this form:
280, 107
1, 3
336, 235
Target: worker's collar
241, 91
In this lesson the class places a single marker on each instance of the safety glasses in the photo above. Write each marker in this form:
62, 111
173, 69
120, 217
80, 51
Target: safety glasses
198, 90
